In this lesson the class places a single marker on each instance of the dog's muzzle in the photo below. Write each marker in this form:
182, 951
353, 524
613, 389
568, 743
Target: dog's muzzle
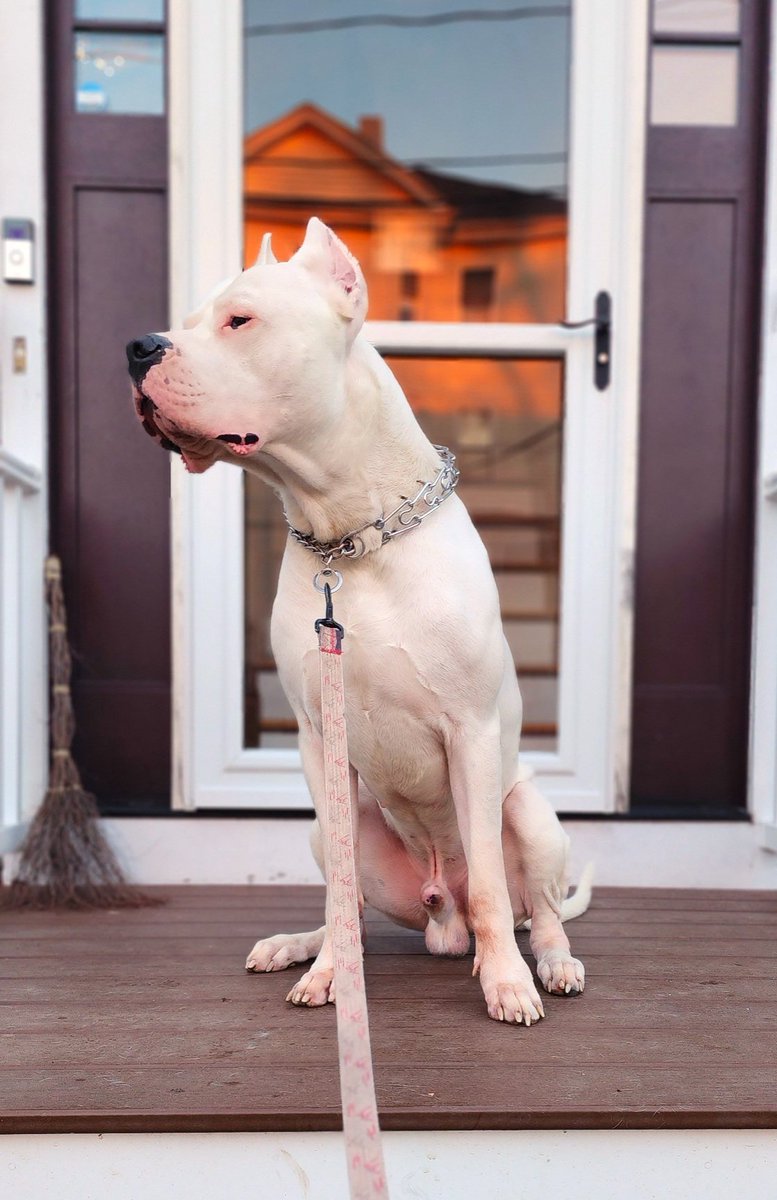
147, 352
144, 353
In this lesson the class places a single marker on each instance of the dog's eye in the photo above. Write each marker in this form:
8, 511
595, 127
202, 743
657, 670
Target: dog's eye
236, 322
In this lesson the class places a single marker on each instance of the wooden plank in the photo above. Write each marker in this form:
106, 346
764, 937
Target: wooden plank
125, 1016
230, 949
408, 1097
146, 1020
264, 1045
450, 982
680, 926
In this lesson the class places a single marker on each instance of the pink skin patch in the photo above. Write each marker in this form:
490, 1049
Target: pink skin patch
198, 450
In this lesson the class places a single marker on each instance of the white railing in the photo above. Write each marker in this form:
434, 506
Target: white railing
22, 723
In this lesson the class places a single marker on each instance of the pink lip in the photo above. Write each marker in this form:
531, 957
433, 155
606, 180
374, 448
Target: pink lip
240, 443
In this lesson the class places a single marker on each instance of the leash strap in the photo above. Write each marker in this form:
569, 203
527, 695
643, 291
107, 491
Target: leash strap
366, 1170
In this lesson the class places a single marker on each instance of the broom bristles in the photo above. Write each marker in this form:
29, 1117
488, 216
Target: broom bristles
66, 861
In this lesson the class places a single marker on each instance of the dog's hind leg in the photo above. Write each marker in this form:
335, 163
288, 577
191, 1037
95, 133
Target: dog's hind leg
535, 851
284, 950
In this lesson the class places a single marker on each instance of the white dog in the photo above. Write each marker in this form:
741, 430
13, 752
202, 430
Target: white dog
453, 836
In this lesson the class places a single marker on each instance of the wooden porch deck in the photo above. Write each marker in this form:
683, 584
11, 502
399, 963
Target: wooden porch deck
146, 1021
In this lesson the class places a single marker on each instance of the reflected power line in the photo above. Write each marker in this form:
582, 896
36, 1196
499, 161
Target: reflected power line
405, 21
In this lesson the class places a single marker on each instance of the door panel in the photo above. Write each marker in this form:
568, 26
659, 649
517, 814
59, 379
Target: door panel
697, 440
110, 496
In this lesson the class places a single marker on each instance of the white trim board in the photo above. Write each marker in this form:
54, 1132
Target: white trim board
763, 720
458, 1164
254, 850
23, 426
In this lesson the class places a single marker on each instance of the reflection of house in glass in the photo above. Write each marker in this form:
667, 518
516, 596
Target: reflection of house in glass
434, 247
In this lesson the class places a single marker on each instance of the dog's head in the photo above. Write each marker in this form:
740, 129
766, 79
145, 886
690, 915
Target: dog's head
262, 361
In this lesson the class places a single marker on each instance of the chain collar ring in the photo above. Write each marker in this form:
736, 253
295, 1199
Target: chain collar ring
408, 515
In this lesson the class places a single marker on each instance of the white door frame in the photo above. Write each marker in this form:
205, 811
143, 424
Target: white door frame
762, 790
589, 773
24, 693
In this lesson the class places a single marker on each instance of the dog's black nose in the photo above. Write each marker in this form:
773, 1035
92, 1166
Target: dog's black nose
144, 352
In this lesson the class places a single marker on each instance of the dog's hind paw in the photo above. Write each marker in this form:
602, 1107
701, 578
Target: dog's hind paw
314, 989
560, 973
283, 950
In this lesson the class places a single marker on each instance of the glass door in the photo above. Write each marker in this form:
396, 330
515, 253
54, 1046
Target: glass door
483, 164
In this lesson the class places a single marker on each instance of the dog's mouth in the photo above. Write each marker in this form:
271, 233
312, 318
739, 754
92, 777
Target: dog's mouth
147, 411
196, 450
242, 444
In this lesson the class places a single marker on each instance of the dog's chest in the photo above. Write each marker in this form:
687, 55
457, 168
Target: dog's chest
392, 718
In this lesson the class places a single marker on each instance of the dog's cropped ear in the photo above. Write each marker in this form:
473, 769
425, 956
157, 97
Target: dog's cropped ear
331, 262
265, 257
201, 311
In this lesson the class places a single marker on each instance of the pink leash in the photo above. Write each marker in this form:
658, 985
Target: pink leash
366, 1169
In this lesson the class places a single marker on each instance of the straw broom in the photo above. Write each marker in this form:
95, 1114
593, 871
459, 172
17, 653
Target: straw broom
66, 861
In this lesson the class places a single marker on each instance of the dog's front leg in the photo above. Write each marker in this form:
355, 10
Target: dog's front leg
316, 986
474, 760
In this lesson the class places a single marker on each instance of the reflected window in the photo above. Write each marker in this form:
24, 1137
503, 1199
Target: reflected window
120, 10
469, 147
119, 73
409, 285
503, 420
477, 291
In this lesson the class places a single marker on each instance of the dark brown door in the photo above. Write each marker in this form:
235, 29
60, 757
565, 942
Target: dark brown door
697, 431
110, 490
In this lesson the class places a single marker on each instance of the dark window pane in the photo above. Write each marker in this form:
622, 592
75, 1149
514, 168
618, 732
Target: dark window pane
409, 285
477, 290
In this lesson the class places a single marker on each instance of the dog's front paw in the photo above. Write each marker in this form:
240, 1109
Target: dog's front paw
511, 996
513, 1003
314, 989
561, 973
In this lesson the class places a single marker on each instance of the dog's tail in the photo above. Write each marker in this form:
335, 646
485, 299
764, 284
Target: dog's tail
576, 904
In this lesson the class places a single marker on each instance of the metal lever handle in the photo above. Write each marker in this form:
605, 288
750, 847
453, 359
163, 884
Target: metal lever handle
602, 322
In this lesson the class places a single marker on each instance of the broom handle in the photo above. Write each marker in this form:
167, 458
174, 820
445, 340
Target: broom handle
60, 664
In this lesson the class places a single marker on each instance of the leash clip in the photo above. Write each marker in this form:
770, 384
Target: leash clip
328, 619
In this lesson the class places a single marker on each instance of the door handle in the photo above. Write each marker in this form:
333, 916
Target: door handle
602, 323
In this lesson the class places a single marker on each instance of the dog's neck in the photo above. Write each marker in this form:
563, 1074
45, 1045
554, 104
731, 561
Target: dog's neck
359, 468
